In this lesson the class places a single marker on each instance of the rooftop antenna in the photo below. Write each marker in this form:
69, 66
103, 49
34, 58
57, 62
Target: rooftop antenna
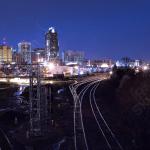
4, 41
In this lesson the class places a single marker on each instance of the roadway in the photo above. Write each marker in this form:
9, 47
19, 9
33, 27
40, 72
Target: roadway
91, 130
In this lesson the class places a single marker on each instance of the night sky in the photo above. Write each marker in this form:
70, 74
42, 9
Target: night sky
102, 28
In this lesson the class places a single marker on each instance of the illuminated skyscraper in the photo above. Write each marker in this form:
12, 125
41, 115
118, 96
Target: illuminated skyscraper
24, 49
5, 54
51, 44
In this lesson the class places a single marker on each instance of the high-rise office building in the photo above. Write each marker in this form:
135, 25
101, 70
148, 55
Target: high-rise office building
71, 56
38, 55
24, 48
5, 54
51, 44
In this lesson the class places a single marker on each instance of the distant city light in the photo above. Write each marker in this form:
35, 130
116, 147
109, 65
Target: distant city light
137, 70
71, 63
19, 81
51, 82
110, 72
104, 65
76, 67
51, 66
45, 63
81, 72
145, 68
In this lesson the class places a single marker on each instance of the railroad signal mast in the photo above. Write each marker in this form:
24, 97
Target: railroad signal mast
39, 103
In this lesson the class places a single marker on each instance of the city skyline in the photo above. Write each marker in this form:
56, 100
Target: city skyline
107, 29
74, 75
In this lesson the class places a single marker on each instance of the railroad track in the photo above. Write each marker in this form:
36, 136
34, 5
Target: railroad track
110, 138
78, 112
81, 136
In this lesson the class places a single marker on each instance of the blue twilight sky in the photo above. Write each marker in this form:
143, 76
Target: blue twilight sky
102, 28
